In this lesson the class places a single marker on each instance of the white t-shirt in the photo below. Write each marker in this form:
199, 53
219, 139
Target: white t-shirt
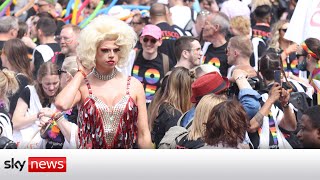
181, 15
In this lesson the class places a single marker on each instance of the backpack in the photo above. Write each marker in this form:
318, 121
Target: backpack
6, 143
174, 135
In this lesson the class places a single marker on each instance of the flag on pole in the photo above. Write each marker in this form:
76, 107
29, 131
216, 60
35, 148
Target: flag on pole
305, 21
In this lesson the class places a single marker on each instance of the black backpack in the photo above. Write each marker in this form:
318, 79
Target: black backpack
6, 143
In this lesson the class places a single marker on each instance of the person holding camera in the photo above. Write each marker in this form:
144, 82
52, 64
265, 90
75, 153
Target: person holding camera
277, 122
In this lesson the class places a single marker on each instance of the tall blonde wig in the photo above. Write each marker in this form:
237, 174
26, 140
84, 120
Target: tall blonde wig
203, 109
103, 28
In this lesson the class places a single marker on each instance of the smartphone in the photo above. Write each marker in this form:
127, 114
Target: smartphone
277, 76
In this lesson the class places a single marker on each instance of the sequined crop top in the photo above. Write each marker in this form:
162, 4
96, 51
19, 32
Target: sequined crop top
103, 127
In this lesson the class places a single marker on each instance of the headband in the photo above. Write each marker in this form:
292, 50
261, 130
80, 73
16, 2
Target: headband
305, 47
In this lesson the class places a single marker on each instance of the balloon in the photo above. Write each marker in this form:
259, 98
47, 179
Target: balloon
135, 7
3, 5
93, 15
68, 9
67, 18
4, 9
75, 12
196, 6
83, 5
105, 10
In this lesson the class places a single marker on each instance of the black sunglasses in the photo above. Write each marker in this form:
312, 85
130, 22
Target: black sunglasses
153, 40
40, 5
284, 30
60, 71
301, 55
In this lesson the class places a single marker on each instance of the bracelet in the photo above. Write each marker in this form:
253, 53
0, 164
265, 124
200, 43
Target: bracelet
83, 73
286, 105
59, 119
54, 114
240, 77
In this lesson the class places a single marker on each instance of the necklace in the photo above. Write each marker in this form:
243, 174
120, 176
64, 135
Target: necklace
104, 77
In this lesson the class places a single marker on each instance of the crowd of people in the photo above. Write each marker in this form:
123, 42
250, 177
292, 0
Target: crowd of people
167, 77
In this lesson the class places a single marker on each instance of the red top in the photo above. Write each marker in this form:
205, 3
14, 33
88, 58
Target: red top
103, 127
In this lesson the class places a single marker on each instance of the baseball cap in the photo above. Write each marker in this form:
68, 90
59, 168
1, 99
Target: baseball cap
152, 30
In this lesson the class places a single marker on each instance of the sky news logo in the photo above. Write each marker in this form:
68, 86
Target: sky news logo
38, 164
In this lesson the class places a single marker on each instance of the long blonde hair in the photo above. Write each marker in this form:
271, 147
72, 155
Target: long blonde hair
177, 93
203, 109
8, 85
275, 35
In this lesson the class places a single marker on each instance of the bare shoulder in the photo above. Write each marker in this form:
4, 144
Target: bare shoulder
136, 87
135, 82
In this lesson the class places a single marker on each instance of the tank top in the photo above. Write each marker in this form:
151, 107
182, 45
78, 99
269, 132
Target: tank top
103, 127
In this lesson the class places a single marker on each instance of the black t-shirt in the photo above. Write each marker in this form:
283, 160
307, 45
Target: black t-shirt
38, 60
23, 82
149, 73
217, 57
167, 118
169, 36
291, 63
57, 141
262, 47
60, 59
261, 30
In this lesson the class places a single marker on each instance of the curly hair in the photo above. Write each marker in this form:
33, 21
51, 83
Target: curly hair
103, 28
275, 34
227, 124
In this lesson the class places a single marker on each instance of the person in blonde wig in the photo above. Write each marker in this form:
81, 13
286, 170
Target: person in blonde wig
112, 110
105, 28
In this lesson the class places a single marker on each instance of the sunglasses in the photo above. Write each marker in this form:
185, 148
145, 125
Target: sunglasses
135, 23
301, 55
40, 5
60, 71
284, 30
66, 40
153, 40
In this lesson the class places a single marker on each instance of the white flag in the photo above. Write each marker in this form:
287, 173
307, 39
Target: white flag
305, 21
